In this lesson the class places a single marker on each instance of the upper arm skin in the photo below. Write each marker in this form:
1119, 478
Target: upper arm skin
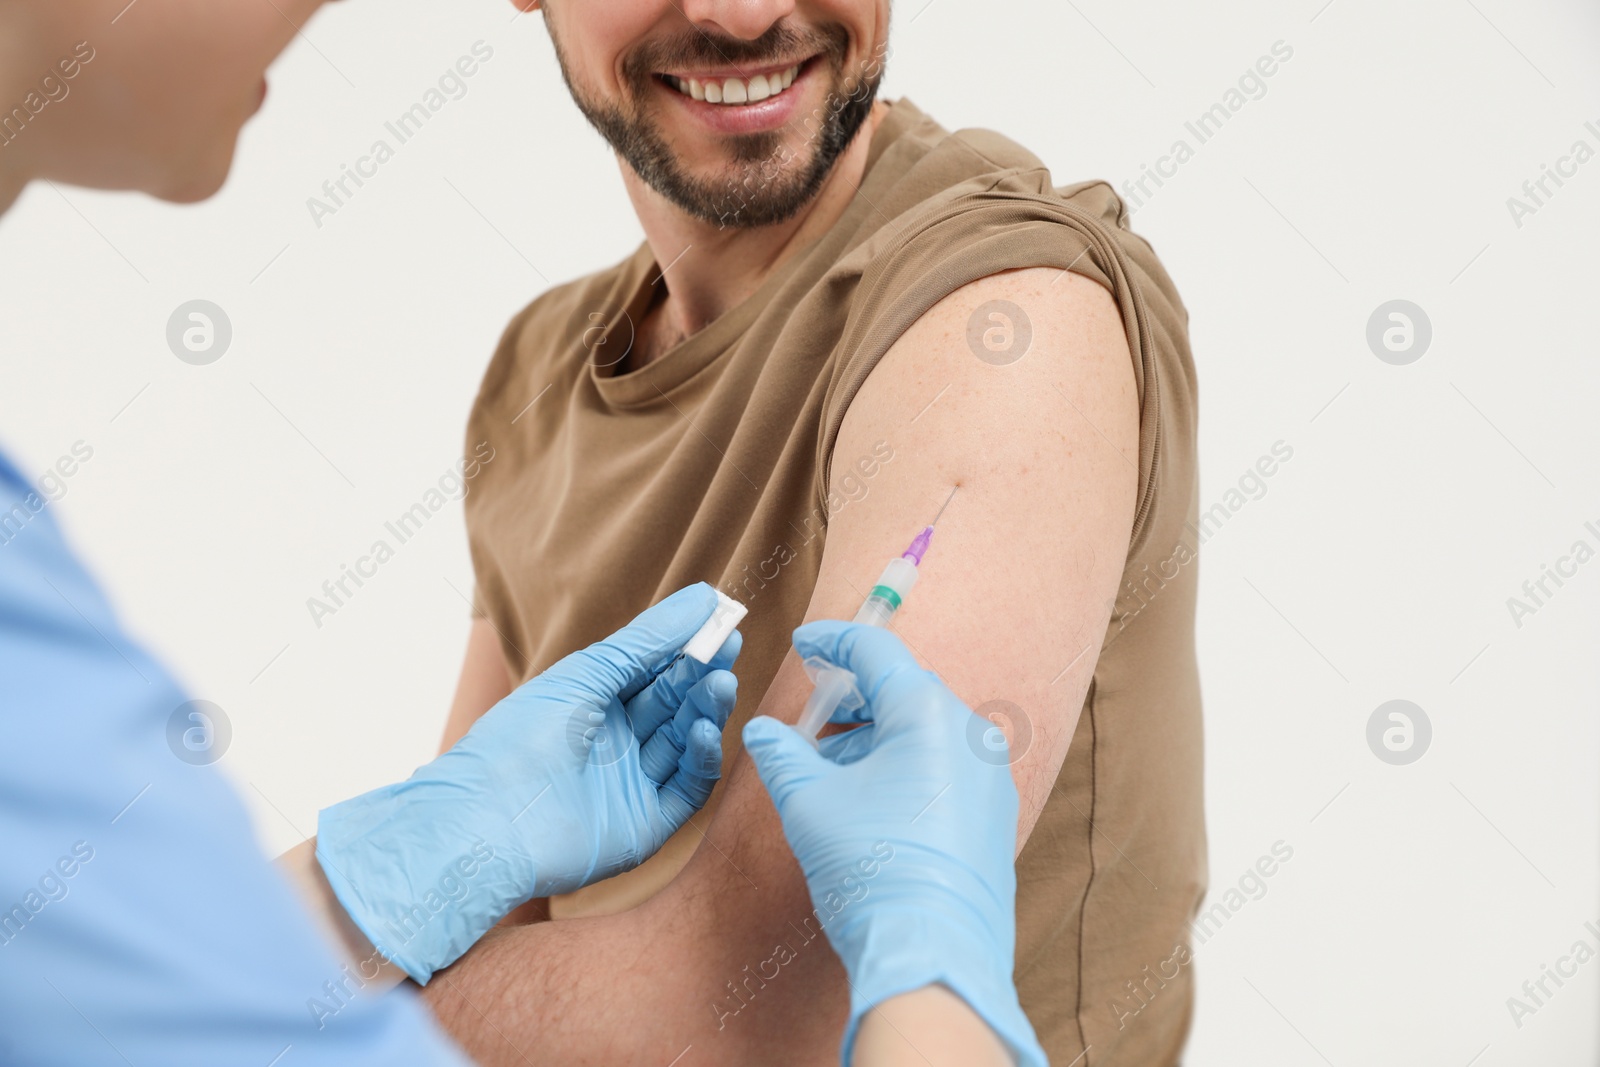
1013, 596
484, 682
1011, 605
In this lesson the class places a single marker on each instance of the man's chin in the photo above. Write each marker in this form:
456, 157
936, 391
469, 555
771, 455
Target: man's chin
747, 190
745, 206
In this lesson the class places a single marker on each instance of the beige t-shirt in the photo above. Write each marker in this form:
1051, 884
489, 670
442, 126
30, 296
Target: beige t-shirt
713, 463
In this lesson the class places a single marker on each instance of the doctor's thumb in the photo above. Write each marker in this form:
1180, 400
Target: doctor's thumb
784, 760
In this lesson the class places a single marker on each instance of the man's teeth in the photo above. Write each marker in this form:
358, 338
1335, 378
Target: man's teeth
735, 90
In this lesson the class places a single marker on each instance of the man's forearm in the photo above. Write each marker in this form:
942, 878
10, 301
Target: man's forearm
729, 959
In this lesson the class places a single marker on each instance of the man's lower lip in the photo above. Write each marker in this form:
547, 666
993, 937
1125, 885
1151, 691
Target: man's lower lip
770, 114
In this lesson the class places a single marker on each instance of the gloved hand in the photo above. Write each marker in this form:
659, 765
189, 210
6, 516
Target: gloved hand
905, 835
582, 772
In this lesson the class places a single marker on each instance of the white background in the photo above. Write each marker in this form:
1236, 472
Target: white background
1419, 498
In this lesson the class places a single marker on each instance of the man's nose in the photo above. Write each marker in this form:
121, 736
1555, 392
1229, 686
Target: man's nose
744, 19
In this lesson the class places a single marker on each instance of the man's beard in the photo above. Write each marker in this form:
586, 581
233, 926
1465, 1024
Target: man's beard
768, 182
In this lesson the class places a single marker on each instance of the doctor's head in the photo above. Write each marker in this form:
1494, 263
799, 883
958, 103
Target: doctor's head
148, 95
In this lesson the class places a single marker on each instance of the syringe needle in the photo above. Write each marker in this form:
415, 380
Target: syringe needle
946, 504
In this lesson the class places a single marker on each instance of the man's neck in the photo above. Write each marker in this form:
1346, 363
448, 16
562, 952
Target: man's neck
709, 270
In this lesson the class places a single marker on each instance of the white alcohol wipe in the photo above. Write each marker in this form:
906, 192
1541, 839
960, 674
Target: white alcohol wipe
724, 620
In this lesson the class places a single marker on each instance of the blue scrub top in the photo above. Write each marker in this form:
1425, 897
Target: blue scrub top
138, 922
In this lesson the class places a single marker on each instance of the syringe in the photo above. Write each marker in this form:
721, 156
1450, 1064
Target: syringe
834, 686
895, 583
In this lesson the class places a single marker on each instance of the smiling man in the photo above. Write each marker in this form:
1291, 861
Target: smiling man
841, 314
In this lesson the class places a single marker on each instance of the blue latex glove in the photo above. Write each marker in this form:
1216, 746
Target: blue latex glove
583, 772
905, 835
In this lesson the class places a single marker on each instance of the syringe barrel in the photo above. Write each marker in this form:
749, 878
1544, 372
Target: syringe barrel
885, 599
900, 575
832, 687
874, 611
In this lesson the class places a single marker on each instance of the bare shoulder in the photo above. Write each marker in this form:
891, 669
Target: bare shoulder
1005, 338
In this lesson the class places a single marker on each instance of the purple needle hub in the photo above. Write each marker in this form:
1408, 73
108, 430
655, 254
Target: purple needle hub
919, 547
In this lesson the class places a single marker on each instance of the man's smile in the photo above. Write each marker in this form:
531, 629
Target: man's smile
733, 88
751, 99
